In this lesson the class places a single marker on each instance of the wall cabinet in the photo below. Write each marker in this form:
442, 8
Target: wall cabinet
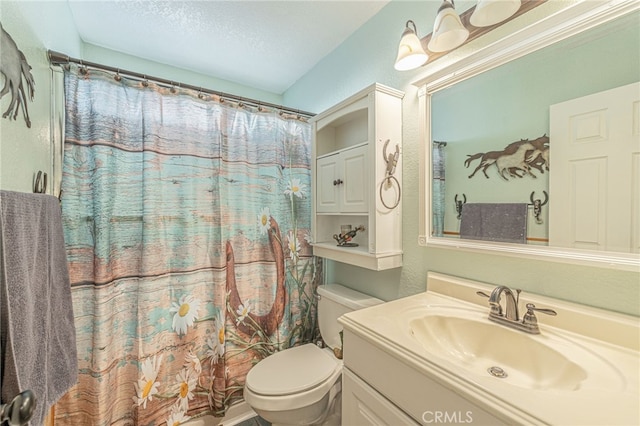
352, 143
341, 181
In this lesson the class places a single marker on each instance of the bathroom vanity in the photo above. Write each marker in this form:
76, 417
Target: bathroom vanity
437, 358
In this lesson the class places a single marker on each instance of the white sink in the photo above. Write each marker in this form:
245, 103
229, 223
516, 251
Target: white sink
486, 348
583, 367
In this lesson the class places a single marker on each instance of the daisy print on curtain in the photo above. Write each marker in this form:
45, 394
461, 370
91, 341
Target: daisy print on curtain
187, 234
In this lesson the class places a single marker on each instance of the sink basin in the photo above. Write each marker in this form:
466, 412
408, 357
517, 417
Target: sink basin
583, 368
496, 351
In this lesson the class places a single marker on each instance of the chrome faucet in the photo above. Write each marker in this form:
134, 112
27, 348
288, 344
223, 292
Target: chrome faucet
511, 305
510, 316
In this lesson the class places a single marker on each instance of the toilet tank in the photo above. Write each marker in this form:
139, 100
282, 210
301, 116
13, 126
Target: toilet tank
334, 301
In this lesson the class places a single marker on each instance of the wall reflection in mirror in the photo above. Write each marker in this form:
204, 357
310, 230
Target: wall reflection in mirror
492, 154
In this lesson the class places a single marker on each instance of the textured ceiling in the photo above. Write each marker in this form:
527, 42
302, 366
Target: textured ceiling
266, 45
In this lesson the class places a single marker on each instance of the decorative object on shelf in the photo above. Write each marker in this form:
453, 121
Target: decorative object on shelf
459, 204
14, 66
451, 30
515, 160
346, 235
391, 161
537, 205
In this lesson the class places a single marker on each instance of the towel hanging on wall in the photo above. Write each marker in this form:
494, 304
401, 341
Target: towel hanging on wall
500, 222
36, 315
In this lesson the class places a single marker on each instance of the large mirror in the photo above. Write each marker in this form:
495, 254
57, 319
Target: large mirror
487, 121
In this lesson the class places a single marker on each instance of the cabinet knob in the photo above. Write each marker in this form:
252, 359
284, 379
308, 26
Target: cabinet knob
337, 182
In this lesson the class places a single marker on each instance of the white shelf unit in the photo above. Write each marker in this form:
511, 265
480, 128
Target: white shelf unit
348, 169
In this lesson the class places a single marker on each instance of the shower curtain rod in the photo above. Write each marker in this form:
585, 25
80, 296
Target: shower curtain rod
57, 58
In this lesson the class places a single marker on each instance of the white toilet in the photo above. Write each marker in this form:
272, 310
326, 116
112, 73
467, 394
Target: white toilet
301, 385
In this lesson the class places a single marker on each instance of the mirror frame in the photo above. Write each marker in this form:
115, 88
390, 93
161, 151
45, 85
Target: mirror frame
572, 20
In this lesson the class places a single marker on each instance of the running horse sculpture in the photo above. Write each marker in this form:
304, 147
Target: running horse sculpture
13, 67
515, 160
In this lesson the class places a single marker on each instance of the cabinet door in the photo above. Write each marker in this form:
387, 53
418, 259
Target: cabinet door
362, 405
327, 173
354, 188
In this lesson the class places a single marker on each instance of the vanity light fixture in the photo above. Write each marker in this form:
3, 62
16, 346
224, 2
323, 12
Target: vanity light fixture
491, 12
448, 31
411, 54
451, 30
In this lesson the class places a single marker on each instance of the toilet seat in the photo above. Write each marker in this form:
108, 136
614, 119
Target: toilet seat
292, 371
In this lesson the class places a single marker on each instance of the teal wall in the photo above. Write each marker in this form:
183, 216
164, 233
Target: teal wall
368, 56
32, 25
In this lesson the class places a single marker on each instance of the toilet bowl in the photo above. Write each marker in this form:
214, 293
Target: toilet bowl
302, 385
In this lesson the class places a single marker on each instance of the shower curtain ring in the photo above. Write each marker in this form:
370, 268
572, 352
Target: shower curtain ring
117, 77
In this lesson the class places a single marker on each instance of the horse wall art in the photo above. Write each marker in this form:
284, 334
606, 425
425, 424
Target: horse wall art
516, 160
14, 67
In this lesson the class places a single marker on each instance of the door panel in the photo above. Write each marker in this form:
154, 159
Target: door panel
594, 146
327, 172
354, 195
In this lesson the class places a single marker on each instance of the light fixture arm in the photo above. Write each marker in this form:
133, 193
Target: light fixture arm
446, 4
415, 30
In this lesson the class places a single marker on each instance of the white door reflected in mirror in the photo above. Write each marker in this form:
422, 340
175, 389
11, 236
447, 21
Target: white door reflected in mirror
596, 151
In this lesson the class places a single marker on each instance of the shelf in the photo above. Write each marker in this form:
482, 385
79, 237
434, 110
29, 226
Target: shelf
358, 256
349, 151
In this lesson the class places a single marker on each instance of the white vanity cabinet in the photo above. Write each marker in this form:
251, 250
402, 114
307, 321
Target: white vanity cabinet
352, 143
380, 388
363, 405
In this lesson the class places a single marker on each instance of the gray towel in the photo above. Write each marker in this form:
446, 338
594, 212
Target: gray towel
502, 222
37, 330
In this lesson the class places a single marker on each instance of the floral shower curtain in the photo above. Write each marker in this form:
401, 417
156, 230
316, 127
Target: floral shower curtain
186, 223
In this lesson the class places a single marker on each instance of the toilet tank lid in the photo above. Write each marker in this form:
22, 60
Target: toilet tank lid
346, 296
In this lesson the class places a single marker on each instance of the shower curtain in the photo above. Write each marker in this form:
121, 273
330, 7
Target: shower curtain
438, 188
186, 223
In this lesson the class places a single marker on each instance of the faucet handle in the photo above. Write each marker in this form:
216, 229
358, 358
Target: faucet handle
531, 307
483, 294
529, 319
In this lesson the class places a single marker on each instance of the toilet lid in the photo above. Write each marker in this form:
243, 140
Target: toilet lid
292, 370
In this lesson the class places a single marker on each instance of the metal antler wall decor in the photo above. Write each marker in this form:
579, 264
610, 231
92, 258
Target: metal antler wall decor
459, 204
14, 67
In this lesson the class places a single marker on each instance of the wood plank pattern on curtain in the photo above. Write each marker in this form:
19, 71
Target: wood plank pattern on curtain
187, 233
